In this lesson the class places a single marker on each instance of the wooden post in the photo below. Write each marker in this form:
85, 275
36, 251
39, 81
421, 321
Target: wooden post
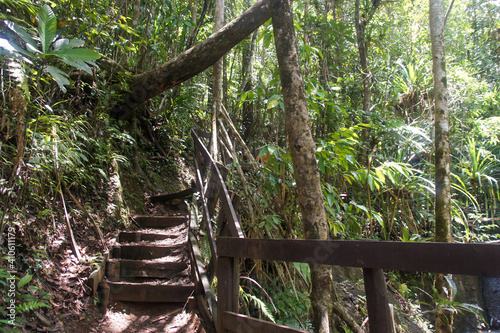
228, 276
376, 299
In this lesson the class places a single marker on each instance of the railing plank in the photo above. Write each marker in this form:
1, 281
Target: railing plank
202, 276
207, 221
202, 134
227, 289
222, 219
234, 322
213, 187
455, 258
233, 222
376, 301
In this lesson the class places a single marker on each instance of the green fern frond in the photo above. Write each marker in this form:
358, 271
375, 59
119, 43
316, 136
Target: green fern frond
30, 306
262, 307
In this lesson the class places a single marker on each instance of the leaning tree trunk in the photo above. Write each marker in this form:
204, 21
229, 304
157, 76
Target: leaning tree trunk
302, 148
444, 319
193, 61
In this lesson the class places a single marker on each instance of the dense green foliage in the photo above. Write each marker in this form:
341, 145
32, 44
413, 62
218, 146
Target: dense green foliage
57, 135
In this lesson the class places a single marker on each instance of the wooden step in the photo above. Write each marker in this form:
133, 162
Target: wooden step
140, 292
139, 252
138, 236
160, 221
169, 196
117, 269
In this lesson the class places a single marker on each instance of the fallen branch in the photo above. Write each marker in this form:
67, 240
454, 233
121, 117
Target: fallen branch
244, 182
87, 215
246, 151
74, 246
344, 316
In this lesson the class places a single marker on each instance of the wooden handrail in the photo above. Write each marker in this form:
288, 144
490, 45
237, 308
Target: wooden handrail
234, 322
212, 191
225, 200
372, 256
475, 259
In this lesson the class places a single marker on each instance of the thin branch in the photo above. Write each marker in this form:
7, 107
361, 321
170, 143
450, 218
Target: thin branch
448, 13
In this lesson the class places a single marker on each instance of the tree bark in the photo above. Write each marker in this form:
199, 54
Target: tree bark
303, 151
137, 11
444, 319
217, 83
193, 61
362, 49
362, 42
19, 108
247, 85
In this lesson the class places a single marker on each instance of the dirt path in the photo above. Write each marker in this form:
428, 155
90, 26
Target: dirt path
149, 317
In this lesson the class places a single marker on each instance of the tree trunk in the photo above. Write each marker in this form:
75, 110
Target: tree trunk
444, 319
303, 150
198, 23
191, 62
247, 85
194, 16
362, 49
137, 11
19, 108
365, 72
217, 83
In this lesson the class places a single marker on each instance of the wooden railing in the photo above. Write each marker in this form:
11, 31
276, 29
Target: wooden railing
372, 256
212, 192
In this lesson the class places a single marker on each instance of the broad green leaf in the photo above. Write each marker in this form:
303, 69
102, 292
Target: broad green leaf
272, 104
63, 43
82, 54
12, 49
128, 29
47, 27
398, 168
379, 219
330, 198
80, 64
359, 207
350, 158
320, 53
24, 280
61, 78
22, 33
452, 285
370, 182
321, 164
380, 175
264, 151
348, 178
406, 235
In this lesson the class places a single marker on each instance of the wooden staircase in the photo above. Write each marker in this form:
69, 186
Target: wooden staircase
152, 264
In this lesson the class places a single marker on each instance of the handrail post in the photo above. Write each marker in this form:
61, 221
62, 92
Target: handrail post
228, 276
376, 299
